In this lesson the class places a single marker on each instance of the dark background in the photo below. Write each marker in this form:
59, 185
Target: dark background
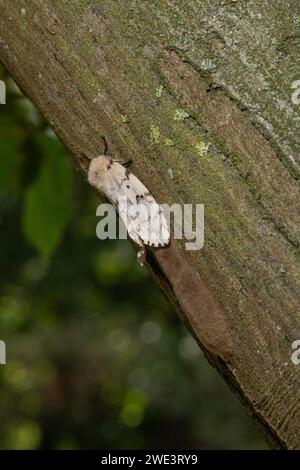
96, 358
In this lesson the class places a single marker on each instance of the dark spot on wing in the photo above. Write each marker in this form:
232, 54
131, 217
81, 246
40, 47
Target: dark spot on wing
125, 179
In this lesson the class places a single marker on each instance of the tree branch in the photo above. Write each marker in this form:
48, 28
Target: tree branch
198, 95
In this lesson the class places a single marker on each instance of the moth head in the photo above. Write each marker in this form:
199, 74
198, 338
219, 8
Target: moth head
99, 166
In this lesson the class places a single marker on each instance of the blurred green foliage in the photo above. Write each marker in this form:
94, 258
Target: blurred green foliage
48, 200
96, 358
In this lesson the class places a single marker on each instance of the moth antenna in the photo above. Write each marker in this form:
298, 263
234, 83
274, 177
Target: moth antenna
105, 145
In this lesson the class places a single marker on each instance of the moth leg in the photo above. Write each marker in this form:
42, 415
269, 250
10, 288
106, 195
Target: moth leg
128, 163
141, 256
125, 164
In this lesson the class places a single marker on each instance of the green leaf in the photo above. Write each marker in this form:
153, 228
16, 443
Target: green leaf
9, 163
48, 201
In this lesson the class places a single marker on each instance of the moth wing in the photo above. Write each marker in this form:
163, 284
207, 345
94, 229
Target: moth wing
141, 215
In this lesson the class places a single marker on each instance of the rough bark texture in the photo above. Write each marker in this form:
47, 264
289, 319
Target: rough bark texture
125, 70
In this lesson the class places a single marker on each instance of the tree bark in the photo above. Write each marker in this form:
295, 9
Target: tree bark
198, 94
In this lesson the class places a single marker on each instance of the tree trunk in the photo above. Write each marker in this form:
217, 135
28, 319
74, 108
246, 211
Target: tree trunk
198, 94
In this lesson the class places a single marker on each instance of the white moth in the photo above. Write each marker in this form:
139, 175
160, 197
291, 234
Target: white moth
141, 214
